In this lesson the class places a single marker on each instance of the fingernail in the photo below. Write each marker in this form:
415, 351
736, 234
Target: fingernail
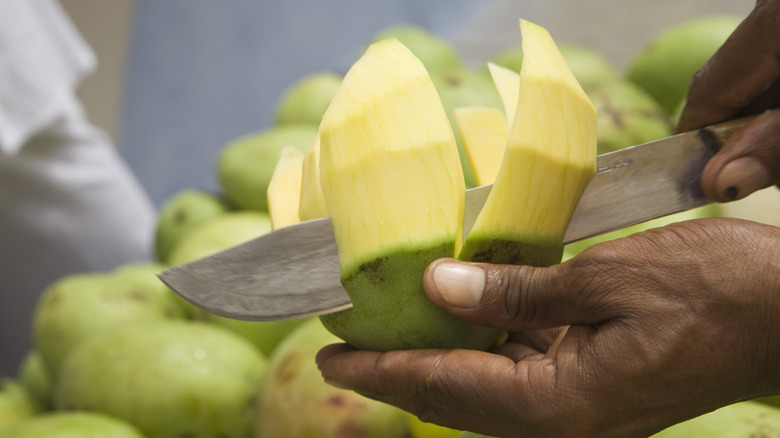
741, 177
459, 284
336, 384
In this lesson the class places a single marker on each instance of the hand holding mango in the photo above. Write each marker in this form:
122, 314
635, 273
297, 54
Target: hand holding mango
626, 339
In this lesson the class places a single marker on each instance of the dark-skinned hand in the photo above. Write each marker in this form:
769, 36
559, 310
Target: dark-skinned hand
632, 335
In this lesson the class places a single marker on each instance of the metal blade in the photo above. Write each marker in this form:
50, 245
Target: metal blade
294, 273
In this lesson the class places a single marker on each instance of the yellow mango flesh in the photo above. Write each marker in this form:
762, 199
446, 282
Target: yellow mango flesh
389, 166
550, 157
284, 189
484, 132
312, 203
393, 184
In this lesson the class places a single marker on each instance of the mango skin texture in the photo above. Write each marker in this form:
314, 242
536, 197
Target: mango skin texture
392, 312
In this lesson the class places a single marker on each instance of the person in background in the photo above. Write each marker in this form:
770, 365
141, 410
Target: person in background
68, 202
632, 335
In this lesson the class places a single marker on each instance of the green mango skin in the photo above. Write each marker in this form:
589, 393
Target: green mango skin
73, 425
78, 306
296, 401
215, 235
391, 311
743, 419
245, 165
306, 100
626, 116
510, 252
16, 404
169, 379
664, 68
36, 379
436, 53
180, 214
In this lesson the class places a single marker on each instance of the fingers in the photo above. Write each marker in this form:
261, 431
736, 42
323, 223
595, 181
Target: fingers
516, 298
749, 161
462, 389
743, 77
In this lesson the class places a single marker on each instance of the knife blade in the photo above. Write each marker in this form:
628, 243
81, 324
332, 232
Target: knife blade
293, 272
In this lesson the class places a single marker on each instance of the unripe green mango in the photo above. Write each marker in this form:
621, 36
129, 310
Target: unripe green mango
167, 378
296, 402
245, 165
73, 425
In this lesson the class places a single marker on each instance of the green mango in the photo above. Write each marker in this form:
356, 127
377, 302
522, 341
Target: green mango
78, 306
179, 214
16, 404
245, 165
665, 66
296, 402
167, 378
36, 379
306, 100
73, 425
216, 235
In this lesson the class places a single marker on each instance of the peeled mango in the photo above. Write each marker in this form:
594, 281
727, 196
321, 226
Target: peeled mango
73, 425
169, 379
296, 402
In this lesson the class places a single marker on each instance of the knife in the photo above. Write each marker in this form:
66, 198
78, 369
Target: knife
293, 272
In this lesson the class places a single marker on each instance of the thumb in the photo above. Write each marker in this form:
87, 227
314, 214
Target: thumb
513, 298
748, 161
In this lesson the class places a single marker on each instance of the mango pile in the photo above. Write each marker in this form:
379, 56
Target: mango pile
386, 150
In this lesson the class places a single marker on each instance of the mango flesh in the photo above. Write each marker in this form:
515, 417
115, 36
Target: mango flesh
312, 201
484, 132
549, 159
284, 190
296, 402
394, 188
461, 88
72, 425
588, 66
169, 379
245, 165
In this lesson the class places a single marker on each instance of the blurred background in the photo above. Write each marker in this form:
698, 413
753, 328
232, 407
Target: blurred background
177, 79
